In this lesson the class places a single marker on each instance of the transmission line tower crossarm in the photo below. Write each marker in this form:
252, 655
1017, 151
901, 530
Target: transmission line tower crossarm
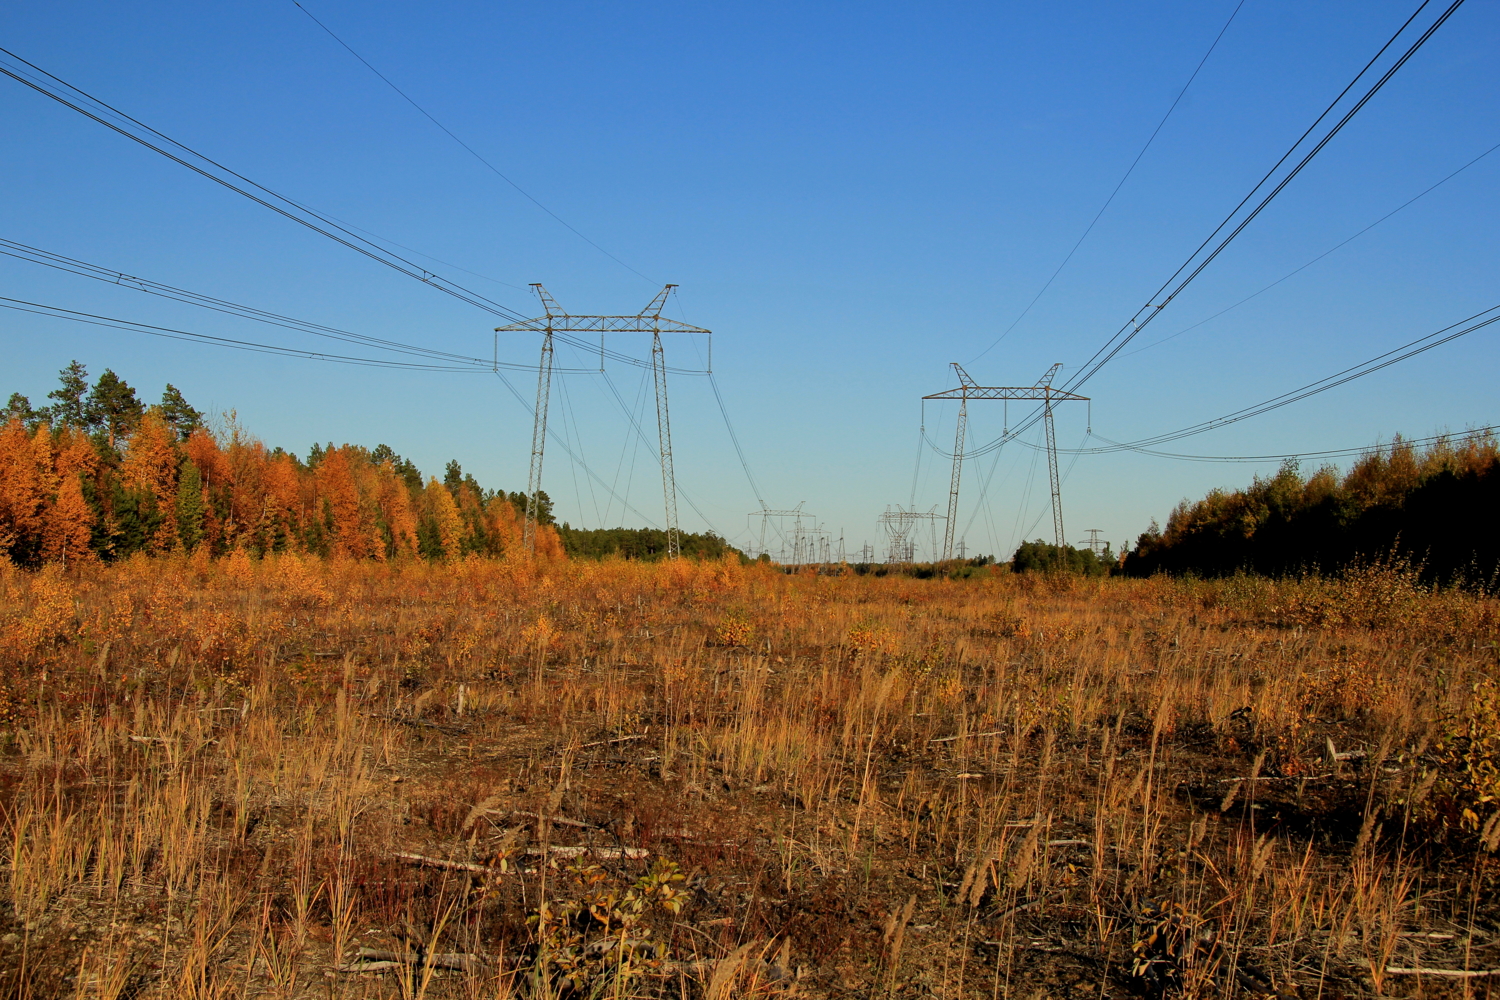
648, 320
1044, 392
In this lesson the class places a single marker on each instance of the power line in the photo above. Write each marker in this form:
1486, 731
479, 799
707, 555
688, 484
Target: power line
170, 333
56, 312
472, 152
47, 258
1427, 342
1135, 324
652, 451
557, 440
126, 126
723, 411
1320, 256
185, 335
735, 439
1334, 453
1375, 364
1108, 201
116, 120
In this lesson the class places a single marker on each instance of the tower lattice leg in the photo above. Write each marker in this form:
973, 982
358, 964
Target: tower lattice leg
538, 444
664, 430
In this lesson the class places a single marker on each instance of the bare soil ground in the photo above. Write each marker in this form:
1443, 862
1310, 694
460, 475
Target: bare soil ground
289, 778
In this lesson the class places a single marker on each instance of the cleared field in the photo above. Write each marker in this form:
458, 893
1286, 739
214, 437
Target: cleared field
292, 777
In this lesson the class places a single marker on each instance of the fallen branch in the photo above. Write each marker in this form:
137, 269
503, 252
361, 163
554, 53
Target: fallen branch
1068, 843
457, 866
555, 820
965, 736
369, 967
164, 741
378, 960
1446, 973
602, 853
1333, 754
1288, 777
618, 739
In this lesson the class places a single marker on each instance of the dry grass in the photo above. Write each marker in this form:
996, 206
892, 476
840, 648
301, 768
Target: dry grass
1002, 786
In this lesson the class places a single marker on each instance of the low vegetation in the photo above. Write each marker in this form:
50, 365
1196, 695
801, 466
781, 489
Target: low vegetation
294, 776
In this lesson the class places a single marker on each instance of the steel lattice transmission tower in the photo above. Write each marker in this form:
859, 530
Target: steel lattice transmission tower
766, 514
648, 320
897, 525
968, 389
1095, 544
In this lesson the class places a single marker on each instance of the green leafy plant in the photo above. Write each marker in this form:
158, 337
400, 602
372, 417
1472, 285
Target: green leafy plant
600, 931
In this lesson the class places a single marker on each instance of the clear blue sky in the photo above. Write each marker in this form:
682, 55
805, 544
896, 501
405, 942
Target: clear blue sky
850, 195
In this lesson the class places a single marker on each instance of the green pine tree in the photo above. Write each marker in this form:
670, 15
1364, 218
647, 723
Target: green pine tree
18, 406
71, 406
178, 413
190, 508
114, 406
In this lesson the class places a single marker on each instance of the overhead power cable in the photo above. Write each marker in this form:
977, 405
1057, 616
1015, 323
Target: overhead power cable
1125, 177
91, 107
1478, 321
1427, 342
56, 312
1325, 253
47, 258
41, 309
735, 439
650, 448
1334, 453
1200, 258
560, 442
470, 149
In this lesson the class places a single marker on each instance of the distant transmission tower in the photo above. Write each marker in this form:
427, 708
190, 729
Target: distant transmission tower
1095, 544
898, 525
648, 320
779, 527
968, 390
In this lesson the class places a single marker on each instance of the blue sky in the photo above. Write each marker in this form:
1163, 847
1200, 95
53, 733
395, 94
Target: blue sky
850, 195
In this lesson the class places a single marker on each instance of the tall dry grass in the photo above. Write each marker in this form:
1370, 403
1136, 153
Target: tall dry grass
227, 777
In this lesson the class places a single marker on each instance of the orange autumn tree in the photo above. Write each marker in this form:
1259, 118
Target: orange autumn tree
149, 474
23, 498
68, 494
68, 528
440, 506
350, 525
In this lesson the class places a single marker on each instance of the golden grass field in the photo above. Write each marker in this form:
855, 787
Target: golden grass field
301, 778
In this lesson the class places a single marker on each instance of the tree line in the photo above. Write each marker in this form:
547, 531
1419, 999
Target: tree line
1433, 508
98, 474
639, 543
